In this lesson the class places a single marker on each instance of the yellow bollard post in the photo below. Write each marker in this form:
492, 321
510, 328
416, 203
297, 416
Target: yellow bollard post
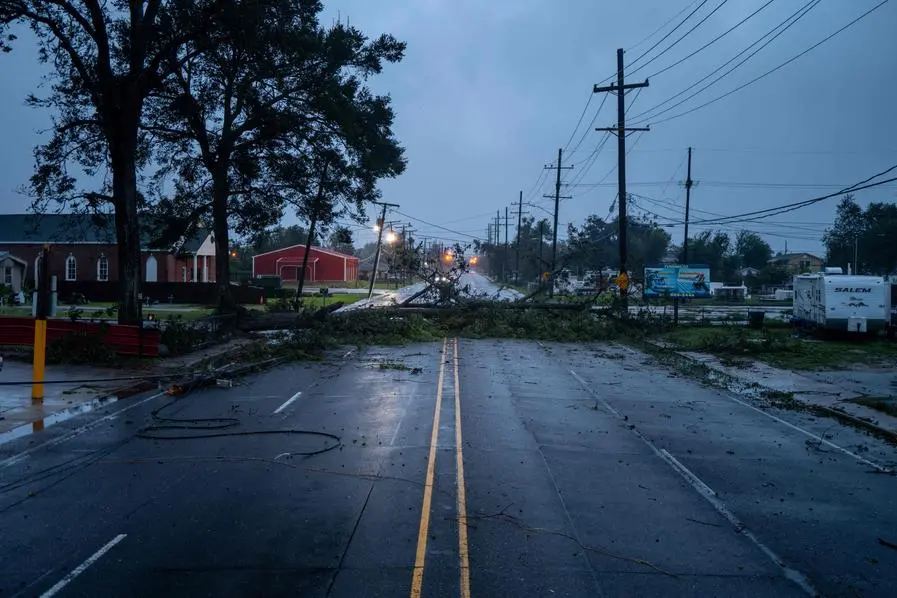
40, 357
42, 276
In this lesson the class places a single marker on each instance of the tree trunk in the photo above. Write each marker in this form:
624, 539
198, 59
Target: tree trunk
308, 242
311, 231
220, 195
127, 229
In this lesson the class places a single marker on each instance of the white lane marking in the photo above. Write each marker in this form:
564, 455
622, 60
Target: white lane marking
395, 434
710, 496
695, 480
288, 402
76, 432
813, 436
83, 566
594, 393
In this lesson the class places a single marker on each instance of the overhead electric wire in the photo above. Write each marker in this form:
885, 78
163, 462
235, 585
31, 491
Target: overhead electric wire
663, 39
662, 27
595, 153
729, 228
777, 31
711, 42
683, 36
677, 209
589, 129
800, 204
535, 188
652, 34
448, 230
579, 122
773, 70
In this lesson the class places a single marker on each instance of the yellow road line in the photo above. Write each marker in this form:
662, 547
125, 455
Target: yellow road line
463, 553
417, 579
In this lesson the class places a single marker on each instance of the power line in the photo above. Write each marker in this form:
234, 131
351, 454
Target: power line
771, 71
683, 36
579, 122
670, 20
671, 32
801, 204
671, 222
711, 42
535, 188
454, 232
594, 155
676, 209
777, 30
589, 128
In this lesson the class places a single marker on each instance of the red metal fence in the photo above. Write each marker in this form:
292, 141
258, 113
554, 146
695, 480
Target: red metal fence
125, 340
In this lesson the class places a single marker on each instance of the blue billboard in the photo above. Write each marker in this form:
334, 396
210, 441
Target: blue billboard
677, 281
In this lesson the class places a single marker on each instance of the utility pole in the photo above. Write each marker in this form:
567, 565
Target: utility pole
505, 278
501, 260
519, 222
620, 130
688, 185
541, 248
404, 256
557, 203
381, 226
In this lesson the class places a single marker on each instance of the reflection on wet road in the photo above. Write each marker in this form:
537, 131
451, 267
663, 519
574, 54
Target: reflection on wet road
463, 468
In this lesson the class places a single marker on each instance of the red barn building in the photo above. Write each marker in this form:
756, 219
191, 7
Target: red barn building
324, 265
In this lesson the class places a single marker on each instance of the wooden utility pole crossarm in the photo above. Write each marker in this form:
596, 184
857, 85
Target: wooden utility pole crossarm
557, 203
621, 130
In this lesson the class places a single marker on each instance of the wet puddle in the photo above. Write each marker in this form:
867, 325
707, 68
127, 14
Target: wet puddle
56, 417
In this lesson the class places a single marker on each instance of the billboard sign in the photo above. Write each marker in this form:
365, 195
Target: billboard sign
677, 281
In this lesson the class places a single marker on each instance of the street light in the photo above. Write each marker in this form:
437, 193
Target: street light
532, 205
391, 237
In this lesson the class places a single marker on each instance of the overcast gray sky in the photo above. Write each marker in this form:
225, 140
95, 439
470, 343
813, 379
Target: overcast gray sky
490, 90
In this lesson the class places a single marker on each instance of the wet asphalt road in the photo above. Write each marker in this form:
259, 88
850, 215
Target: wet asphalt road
554, 470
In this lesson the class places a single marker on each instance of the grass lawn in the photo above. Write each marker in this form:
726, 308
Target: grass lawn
317, 301
361, 284
782, 347
187, 316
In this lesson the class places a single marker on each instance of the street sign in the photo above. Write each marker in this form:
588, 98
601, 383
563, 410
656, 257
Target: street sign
324, 291
623, 281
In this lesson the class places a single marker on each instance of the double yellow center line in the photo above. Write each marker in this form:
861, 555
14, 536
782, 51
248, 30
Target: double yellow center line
423, 530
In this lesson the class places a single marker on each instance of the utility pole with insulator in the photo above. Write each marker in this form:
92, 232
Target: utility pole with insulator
620, 131
381, 225
519, 222
688, 186
557, 203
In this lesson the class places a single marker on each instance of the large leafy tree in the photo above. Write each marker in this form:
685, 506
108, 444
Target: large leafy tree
107, 58
751, 251
270, 112
595, 245
278, 237
714, 249
849, 227
864, 238
341, 240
